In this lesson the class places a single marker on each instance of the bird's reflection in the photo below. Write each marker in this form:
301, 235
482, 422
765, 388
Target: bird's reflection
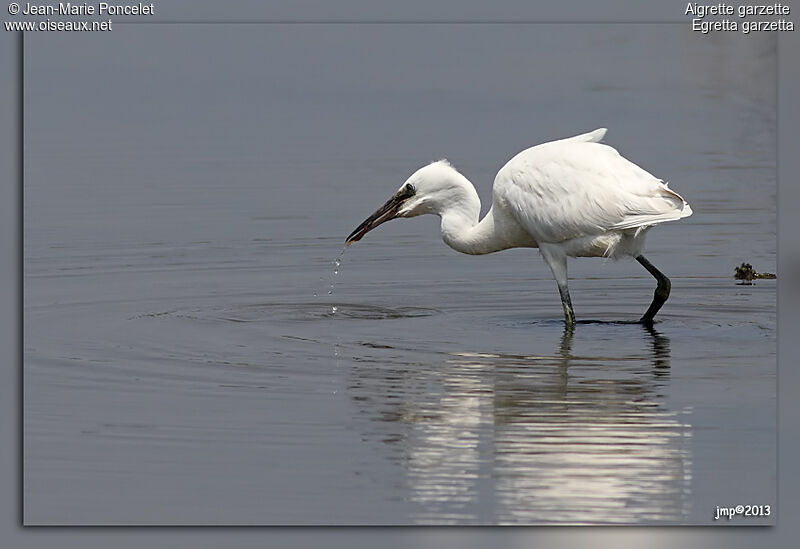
566, 340
661, 352
578, 436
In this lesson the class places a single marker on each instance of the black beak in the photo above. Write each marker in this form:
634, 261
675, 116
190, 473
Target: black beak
385, 213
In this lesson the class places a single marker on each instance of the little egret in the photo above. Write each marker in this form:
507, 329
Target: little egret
573, 197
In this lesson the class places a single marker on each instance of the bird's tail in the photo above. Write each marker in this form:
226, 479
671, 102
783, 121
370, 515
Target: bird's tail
648, 220
664, 205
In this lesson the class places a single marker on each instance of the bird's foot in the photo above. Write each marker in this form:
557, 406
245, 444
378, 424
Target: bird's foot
646, 321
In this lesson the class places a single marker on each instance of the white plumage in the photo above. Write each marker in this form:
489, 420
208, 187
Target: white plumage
573, 197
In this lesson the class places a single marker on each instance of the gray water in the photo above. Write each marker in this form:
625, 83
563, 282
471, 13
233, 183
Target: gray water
188, 189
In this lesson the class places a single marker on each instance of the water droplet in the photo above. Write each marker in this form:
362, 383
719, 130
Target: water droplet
330, 292
315, 294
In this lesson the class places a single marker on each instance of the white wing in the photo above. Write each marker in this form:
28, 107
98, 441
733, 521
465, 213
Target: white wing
591, 137
578, 187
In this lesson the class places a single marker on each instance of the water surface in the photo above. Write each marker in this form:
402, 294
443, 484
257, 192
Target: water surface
183, 360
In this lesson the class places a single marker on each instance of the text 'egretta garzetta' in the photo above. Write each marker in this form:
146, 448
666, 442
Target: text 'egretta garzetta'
573, 197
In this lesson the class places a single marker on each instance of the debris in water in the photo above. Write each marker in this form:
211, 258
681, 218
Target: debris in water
747, 274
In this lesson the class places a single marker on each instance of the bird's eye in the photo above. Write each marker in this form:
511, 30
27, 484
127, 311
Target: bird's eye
410, 188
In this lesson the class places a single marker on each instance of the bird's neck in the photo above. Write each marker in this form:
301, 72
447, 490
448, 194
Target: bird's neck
462, 231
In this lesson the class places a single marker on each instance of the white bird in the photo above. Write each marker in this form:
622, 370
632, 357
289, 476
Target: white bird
573, 197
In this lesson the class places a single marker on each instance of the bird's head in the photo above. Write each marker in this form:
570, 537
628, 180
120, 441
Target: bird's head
429, 190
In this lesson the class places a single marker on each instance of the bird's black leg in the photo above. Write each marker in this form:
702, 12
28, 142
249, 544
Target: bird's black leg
662, 290
557, 261
569, 314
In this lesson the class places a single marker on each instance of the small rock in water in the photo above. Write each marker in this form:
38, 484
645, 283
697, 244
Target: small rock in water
747, 274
